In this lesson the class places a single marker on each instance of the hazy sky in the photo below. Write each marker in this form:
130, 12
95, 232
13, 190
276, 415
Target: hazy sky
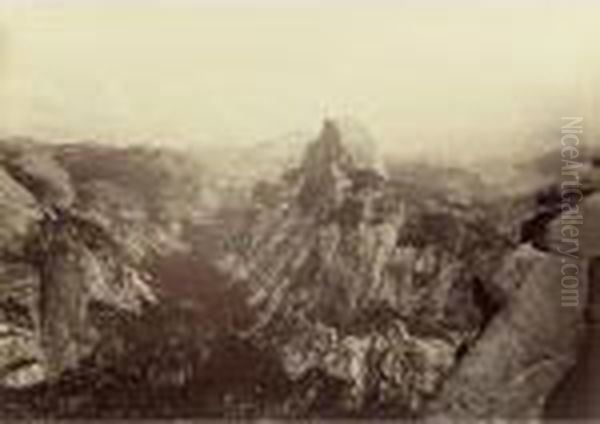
437, 80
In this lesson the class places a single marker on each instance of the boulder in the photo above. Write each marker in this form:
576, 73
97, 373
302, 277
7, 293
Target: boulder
521, 355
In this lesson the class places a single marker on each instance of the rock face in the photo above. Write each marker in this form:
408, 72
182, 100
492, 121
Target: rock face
398, 299
341, 290
523, 353
19, 212
56, 263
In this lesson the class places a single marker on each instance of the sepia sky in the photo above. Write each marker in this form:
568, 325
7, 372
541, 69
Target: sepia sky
436, 80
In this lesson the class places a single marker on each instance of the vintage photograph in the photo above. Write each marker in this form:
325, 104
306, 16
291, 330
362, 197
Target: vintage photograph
300, 210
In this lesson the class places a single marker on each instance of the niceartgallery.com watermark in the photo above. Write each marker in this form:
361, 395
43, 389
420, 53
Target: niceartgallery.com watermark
572, 216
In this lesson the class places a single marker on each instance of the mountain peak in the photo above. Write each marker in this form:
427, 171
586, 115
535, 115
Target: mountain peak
346, 142
326, 150
331, 162
330, 136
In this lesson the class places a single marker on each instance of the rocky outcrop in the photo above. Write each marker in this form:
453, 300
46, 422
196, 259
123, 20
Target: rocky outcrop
411, 305
55, 264
42, 175
19, 212
345, 281
522, 354
19, 283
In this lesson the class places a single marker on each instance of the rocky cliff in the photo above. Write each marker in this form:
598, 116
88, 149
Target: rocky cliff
339, 289
406, 299
75, 235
